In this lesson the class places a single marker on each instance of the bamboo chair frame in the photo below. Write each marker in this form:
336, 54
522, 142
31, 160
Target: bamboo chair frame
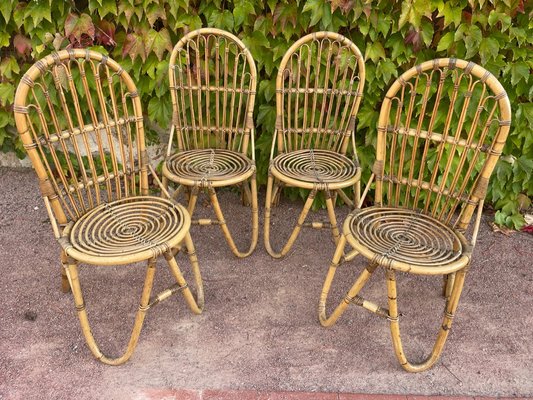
419, 219
319, 87
211, 148
98, 199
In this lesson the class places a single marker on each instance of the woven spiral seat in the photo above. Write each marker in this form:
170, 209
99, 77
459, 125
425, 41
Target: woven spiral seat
217, 167
312, 167
406, 240
142, 227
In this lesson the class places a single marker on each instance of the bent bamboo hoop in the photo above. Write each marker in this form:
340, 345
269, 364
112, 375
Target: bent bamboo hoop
319, 87
213, 80
441, 130
80, 120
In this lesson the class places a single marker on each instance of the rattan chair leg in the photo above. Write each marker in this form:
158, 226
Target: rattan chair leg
344, 197
276, 193
297, 228
449, 311
352, 293
196, 305
65, 285
246, 194
330, 205
447, 286
72, 274
224, 226
356, 194
193, 196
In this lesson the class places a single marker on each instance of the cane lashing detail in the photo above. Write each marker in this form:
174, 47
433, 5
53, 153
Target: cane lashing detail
316, 166
403, 235
128, 226
215, 166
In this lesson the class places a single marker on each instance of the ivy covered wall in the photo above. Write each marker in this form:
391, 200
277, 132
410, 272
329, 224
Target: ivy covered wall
393, 36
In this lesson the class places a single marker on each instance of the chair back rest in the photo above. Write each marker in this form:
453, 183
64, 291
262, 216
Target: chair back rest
319, 87
441, 130
213, 84
79, 116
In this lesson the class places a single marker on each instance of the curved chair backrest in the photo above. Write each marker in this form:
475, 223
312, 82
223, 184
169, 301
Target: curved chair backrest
212, 83
318, 91
79, 117
442, 127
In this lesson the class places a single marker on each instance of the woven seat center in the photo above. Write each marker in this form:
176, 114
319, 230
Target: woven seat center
127, 226
406, 235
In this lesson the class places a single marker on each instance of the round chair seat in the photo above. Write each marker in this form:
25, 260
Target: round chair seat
128, 230
407, 240
308, 168
217, 167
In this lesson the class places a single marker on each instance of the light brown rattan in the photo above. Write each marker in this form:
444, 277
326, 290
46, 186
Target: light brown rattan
442, 127
318, 91
79, 117
213, 82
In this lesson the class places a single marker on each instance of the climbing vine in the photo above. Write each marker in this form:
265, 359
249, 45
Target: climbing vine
393, 35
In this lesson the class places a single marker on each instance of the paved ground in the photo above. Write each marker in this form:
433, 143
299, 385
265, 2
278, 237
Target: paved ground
259, 331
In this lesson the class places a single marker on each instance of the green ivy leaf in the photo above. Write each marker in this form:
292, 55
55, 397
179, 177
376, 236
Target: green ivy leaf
7, 93
242, 9
160, 110
37, 11
9, 66
222, 20
375, 51
519, 71
4, 38
498, 17
158, 42
266, 115
257, 42
285, 13
472, 41
445, 41
387, 69
107, 7
76, 26
5, 8
525, 165
426, 31
155, 12
488, 49
452, 14
413, 11
316, 7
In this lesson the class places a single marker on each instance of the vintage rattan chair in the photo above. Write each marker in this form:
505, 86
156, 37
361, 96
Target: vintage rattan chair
212, 82
79, 116
441, 130
318, 91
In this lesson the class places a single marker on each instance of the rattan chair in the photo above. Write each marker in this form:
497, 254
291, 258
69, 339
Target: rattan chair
318, 91
212, 82
79, 117
441, 130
